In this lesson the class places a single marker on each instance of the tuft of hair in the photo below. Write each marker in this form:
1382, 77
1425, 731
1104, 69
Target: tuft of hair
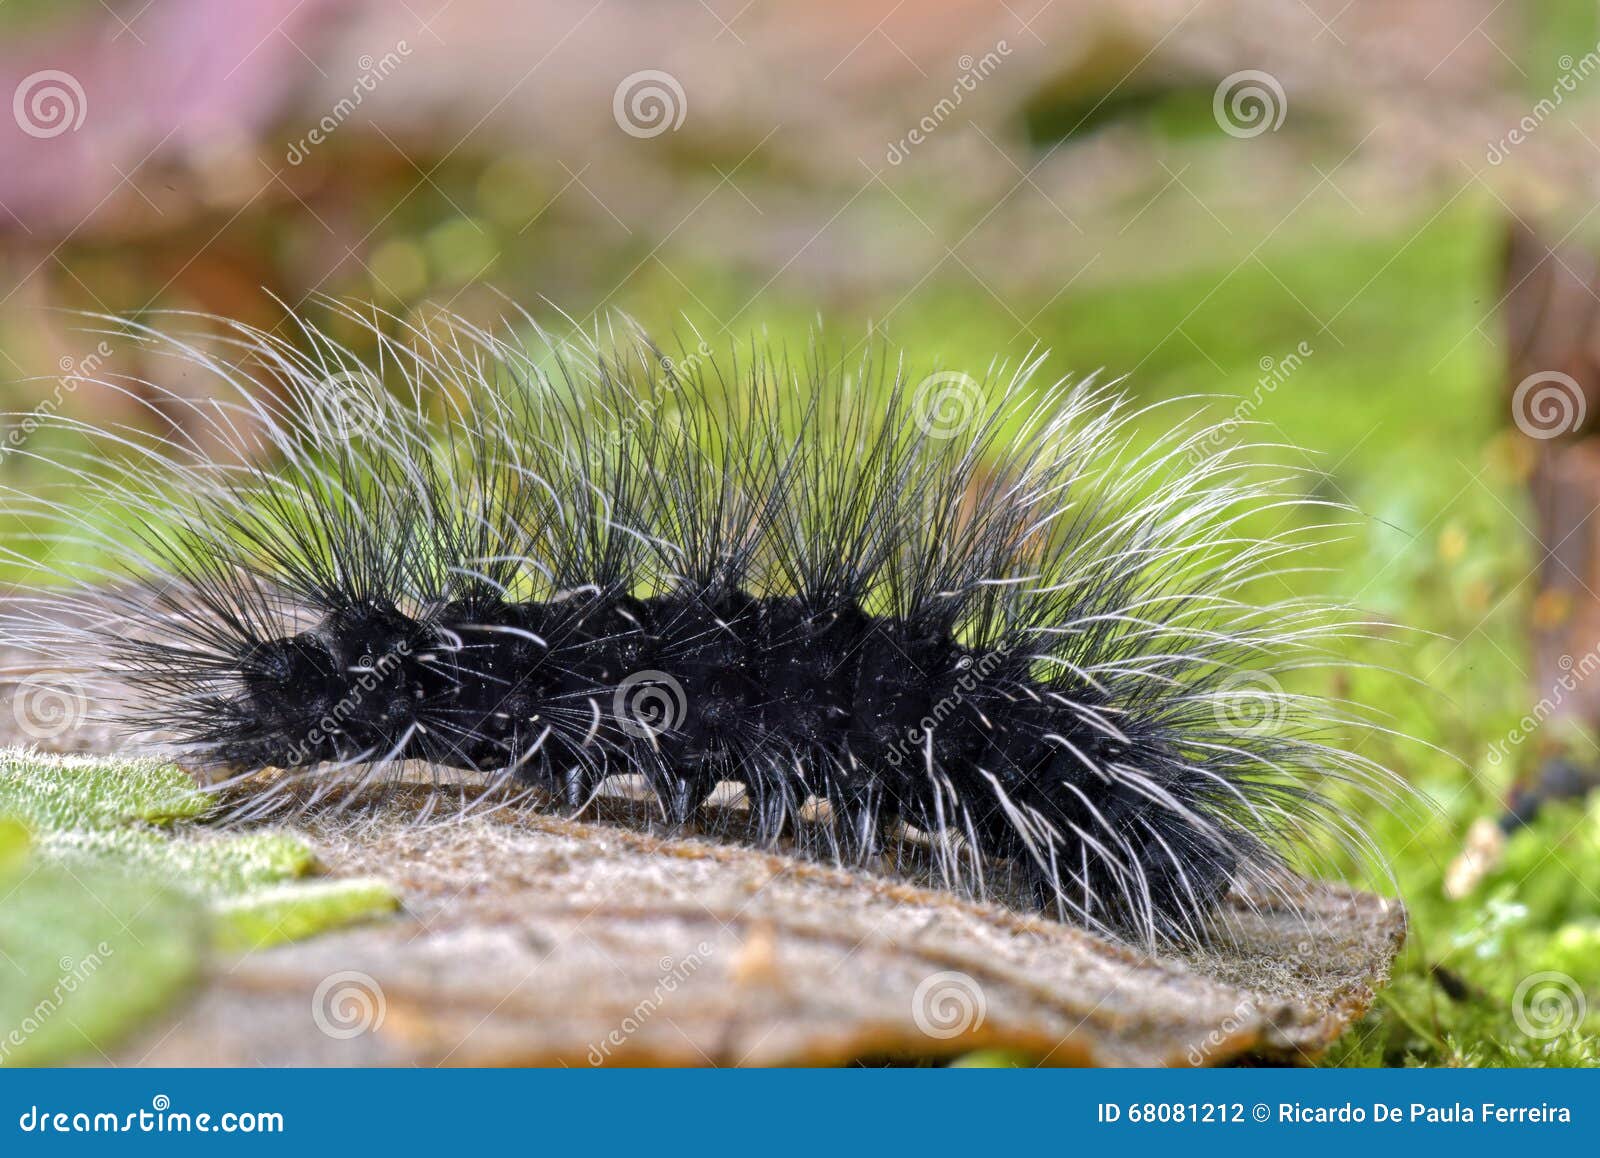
989, 618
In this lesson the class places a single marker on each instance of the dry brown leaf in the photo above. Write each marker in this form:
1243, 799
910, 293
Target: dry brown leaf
534, 940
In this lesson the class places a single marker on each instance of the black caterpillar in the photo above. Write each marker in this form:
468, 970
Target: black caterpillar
972, 612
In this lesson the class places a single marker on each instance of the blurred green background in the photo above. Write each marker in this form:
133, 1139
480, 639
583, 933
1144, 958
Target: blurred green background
1297, 209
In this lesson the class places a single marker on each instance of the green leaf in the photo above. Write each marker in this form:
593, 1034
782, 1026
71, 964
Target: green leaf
109, 905
88, 954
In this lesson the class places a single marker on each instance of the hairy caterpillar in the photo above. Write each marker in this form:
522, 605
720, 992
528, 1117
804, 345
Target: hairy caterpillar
978, 614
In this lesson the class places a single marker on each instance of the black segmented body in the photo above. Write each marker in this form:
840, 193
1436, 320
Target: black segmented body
793, 702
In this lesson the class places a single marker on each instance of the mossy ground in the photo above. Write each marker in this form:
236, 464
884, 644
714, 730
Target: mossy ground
115, 896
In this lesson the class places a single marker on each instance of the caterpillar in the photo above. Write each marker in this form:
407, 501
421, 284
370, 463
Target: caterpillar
986, 615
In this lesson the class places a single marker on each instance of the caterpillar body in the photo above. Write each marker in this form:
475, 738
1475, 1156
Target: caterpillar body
982, 613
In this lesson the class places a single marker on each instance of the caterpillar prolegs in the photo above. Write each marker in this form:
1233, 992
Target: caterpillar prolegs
1005, 617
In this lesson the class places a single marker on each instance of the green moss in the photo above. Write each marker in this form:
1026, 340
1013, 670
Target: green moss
270, 916
990, 1059
117, 893
87, 792
207, 864
14, 844
90, 954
